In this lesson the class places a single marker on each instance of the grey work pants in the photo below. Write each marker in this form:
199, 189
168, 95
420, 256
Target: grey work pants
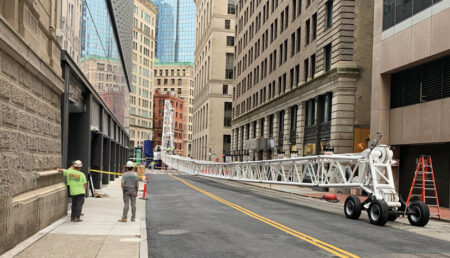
129, 194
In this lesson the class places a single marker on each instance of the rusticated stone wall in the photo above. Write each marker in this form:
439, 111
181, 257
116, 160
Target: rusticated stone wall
32, 195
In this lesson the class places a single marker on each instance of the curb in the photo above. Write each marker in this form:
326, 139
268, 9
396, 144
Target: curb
34, 238
143, 245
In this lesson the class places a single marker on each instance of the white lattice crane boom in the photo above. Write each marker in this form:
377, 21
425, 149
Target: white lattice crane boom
369, 170
168, 127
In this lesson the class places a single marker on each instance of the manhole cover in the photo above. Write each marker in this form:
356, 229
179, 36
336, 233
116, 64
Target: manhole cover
173, 232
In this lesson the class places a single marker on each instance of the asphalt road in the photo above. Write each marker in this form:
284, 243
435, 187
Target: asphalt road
190, 216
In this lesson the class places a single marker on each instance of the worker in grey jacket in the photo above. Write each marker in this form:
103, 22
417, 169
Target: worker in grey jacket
130, 187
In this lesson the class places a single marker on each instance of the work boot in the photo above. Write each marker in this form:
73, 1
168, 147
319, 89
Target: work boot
122, 220
133, 219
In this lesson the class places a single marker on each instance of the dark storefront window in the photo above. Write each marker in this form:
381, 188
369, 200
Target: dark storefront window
317, 123
271, 118
293, 129
281, 128
261, 127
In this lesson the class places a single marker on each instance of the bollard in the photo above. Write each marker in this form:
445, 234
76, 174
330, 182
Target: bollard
145, 189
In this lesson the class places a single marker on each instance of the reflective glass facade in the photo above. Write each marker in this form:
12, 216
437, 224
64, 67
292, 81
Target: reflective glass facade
97, 36
175, 30
100, 60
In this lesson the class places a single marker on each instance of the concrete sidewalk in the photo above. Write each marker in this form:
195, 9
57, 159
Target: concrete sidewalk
98, 235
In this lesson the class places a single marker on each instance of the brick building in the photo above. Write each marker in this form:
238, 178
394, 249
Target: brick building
303, 73
158, 118
178, 78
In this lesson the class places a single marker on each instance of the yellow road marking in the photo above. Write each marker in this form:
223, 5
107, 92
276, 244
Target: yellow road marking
314, 241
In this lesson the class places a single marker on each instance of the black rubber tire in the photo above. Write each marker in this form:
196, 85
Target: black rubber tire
392, 217
378, 212
352, 207
422, 215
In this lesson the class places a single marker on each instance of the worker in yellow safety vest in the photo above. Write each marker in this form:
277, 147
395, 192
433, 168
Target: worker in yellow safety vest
76, 180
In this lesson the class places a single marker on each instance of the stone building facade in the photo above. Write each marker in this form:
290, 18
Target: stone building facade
411, 87
141, 96
178, 117
214, 57
69, 29
32, 195
179, 79
303, 74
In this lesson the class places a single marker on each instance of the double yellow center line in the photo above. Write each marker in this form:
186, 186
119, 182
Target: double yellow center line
314, 241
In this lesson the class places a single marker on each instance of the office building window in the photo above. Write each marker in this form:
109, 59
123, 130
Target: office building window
314, 26
291, 78
231, 7
230, 41
294, 9
327, 51
329, 10
229, 66
225, 89
426, 82
227, 24
313, 65
397, 11
227, 114
299, 33
271, 118
310, 113
281, 128
293, 129
308, 31
292, 44
261, 127
306, 70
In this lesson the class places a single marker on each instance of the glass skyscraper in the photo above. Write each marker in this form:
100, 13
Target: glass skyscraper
97, 36
175, 30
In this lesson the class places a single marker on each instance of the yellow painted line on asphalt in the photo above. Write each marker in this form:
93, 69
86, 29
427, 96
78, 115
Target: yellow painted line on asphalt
314, 241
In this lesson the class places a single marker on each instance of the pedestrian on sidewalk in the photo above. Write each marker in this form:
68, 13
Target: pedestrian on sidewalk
76, 180
130, 187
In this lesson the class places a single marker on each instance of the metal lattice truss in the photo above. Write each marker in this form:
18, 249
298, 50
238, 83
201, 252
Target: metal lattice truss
369, 170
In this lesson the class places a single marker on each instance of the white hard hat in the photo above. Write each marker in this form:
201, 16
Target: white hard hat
77, 164
130, 164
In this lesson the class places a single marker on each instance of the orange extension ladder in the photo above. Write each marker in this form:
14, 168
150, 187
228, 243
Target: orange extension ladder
424, 174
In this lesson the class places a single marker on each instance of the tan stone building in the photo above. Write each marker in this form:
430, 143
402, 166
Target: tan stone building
69, 29
214, 57
411, 87
141, 96
178, 78
107, 77
303, 73
30, 120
